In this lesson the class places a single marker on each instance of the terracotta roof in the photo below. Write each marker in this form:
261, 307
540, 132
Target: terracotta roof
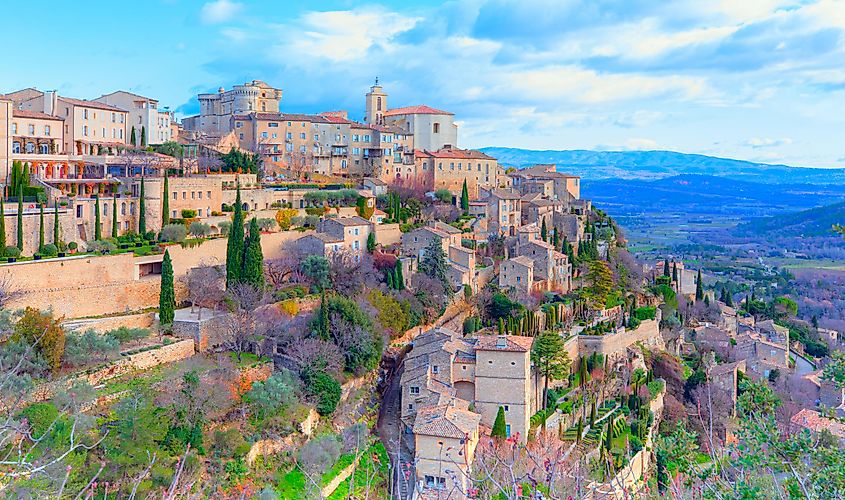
528, 228
514, 343
420, 109
813, 421
459, 154
446, 421
144, 98
375, 181
21, 113
728, 367
522, 260
446, 228
91, 104
541, 244
389, 129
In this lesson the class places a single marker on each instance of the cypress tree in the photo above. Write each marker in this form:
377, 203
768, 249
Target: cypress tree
544, 232
114, 226
400, 280
699, 288
501, 326
593, 413
391, 283
55, 225
142, 216
465, 198
371, 242
666, 267
98, 231
555, 239
132, 139
40, 226
500, 429
235, 245
20, 218
2, 228
580, 430
707, 300
253, 270
167, 298
675, 272
143, 136
165, 203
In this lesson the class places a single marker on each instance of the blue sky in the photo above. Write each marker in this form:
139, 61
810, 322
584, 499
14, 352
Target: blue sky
754, 79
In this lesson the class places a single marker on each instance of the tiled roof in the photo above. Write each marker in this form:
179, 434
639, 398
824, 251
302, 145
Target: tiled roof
813, 421
21, 113
459, 154
325, 238
144, 98
522, 260
513, 343
90, 104
528, 228
446, 421
728, 367
355, 220
541, 244
505, 194
420, 109
446, 228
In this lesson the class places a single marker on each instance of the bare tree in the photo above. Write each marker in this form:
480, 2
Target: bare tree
244, 323
349, 275
205, 285
316, 353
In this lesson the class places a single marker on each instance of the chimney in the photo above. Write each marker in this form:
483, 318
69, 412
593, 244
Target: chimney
50, 102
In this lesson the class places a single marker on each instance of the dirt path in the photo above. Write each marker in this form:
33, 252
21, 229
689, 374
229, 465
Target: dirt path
397, 443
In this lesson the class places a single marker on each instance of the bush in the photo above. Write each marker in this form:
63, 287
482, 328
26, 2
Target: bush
444, 195
644, 313
265, 224
174, 233
49, 250
188, 213
44, 333
199, 229
273, 396
125, 334
101, 246
72, 245
311, 221
13, 251
225, 226
636, 443
81, 349
226, 443
325, 388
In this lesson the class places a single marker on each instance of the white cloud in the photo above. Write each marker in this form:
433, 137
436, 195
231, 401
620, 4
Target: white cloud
219, 11
766, 142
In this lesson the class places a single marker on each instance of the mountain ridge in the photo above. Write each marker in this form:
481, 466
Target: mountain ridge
659, 164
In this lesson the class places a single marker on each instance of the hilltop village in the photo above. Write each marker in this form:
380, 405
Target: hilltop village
252, 303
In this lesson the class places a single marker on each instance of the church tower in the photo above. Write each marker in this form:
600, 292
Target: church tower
376, 105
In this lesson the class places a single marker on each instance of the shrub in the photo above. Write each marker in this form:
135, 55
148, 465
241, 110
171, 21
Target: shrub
225, 226
297, 220
45, 333
226, 443
174, 233
101, 246
199, 229
273, 396
324, 388
81, 349
444, 195
125, 334
13, 251
188, 213
311, 220
318, 211
284, 218
50, 250
265, 224
71, 246
318, 454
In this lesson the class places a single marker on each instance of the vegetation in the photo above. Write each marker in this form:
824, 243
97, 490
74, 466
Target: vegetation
167, 296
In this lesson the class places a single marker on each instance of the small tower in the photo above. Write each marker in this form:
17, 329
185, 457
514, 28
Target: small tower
376, 105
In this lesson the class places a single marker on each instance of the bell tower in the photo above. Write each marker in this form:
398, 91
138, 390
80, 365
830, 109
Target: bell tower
376, 105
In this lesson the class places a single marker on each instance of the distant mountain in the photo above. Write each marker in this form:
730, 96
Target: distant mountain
813, 222
660, 164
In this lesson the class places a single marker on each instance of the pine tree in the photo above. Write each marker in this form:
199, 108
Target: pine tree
98, 229
165, 202
167, 298
235, 246
371, 242
20, 218
55, 226
434, 265
40, 226
544, 231
2, 228
132, 139
400, 280
666, 267
699, 287
253, 270
500, 429
143, 136
142, 212
114, 227
465, 198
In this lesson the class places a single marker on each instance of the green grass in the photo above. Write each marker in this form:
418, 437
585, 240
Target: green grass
247, 359
364, 472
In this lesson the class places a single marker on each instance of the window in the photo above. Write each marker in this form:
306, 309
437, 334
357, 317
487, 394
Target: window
302, 135
239, 124
85, 114
199, 194
184, 195
410, 406
85, 130
464, 367
435, 482
113, 118
14, 128
199, 212
288, 135
355, 137
273, 125
436, 128
508, 430
507, 407
275, 135
174, 213
175, 195
44, 149
120, 133
435, 369
32, 130
123, 208
208, 193
241, 136
79, 211
356, 151
263, 135
104, 133
413, 390
366, 137
193, 195
378, 104
122, 117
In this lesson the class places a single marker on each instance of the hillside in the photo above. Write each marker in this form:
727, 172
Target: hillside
661, 164
813, 222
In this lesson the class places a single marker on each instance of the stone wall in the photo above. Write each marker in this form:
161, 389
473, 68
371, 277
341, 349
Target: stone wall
648, 333
387, 234
103, 325
84, 286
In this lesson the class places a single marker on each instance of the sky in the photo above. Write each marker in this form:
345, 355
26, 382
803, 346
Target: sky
762, 80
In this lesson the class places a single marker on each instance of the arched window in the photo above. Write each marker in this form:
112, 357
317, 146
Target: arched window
44, 148
378, 104
16, 147
123, 208
132, 208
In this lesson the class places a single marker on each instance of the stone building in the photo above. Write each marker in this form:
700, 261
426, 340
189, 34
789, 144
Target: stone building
217, 109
